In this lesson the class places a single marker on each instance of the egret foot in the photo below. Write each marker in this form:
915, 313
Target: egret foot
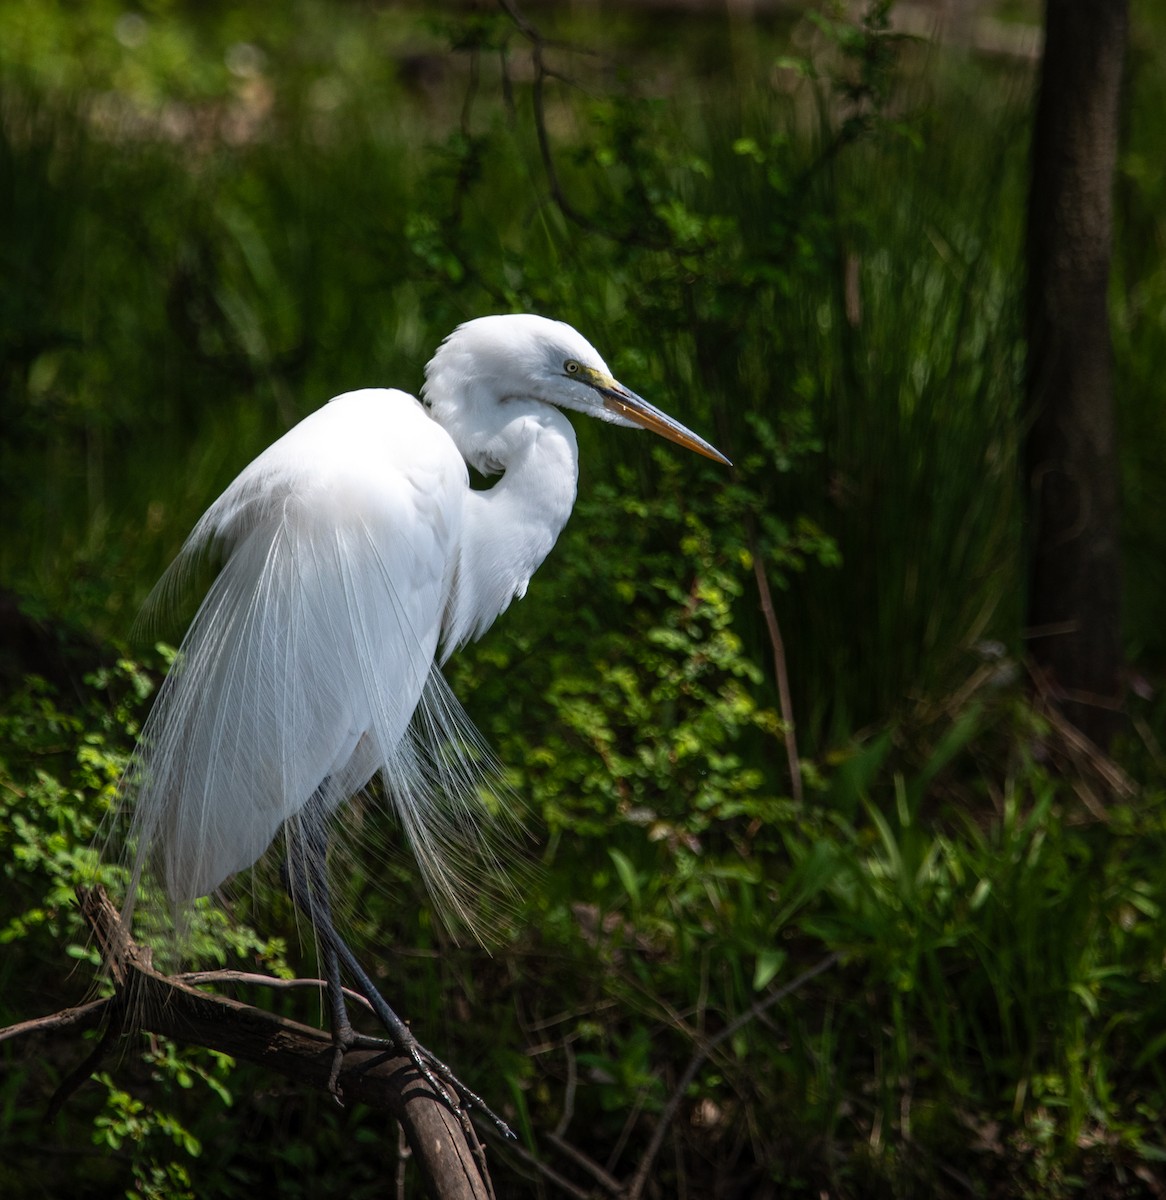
448, 1088
304, 878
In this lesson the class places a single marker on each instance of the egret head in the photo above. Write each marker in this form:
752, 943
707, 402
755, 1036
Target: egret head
492, 360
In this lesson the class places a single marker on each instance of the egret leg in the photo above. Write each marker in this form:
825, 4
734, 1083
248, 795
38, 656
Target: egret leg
305, 885
305, 879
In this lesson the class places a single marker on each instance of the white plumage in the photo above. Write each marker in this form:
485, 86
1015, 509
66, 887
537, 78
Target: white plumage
355, 554
311, 650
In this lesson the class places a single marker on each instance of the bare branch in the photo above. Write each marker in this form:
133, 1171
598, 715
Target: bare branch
569, 1096
604, 1178
85, 1016
448, 1154
779, 666
255, 979
701, 1056
542, 72
89, 1065
548, 1172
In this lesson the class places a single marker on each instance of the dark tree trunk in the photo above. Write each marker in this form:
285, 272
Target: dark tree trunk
1070, 451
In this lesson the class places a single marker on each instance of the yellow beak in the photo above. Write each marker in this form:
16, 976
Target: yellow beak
627, 404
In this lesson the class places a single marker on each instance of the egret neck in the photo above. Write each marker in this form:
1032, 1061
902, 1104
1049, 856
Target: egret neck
509, 528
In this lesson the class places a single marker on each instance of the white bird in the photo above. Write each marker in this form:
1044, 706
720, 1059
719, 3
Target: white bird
355, 558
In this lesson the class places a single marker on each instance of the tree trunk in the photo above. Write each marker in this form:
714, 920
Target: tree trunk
1071, 466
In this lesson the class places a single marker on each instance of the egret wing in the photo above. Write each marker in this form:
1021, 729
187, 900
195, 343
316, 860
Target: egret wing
305, 662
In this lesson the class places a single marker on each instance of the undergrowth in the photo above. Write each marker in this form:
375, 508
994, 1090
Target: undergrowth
209, 228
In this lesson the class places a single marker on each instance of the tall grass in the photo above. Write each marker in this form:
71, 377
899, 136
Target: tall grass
904, 345
186, 316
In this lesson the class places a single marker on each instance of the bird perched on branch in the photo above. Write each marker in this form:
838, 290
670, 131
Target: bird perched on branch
355, 557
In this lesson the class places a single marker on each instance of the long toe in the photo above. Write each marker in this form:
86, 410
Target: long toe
431, 1067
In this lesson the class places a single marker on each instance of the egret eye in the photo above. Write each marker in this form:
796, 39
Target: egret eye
571, 367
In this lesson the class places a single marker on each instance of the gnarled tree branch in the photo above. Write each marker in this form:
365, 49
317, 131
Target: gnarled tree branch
443, 1143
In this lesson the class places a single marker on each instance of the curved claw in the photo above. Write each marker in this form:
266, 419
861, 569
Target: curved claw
334, 1074
467, 1098
308, 888
344, 1038
436, 1073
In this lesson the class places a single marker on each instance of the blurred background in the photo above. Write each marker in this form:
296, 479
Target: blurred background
754, 717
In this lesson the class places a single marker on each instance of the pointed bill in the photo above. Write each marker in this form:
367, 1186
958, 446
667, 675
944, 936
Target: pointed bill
627, 404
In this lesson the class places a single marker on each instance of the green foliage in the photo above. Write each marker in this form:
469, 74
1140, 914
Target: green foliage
60, 772
150, 1136
212, 220
60, 766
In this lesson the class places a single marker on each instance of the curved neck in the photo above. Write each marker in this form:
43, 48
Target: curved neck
508, 529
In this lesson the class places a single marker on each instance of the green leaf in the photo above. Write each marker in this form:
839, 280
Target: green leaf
769, 962
627, 875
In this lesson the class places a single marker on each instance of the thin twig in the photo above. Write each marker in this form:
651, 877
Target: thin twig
402, 1161
533, 34
85, 1016
1088, 757
544, 147
701, 1056
630, 1122
542, 72
779, 666
88, 1065
547, 1172
605, 1179
569, 1014
255, 979
569, 1094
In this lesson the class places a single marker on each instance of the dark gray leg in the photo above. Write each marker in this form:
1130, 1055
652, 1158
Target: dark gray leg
305, 878
304, 882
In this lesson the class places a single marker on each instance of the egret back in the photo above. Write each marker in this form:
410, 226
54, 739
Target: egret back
314, 647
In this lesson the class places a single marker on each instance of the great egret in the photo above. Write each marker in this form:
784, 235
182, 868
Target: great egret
355, 558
